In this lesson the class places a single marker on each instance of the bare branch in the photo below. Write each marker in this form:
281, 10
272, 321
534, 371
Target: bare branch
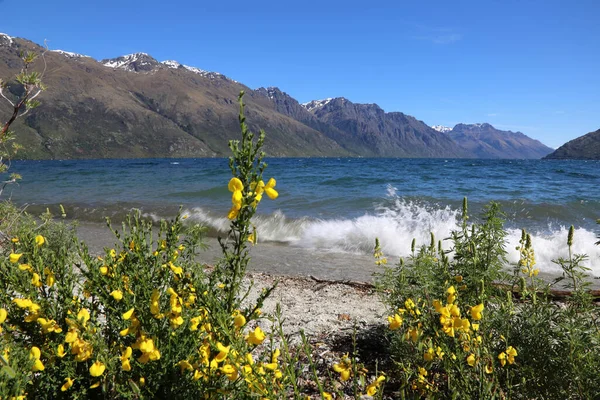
7, 99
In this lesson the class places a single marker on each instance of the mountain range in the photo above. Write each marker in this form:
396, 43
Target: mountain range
135, 106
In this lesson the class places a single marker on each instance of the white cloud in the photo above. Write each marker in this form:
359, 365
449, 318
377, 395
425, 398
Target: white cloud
446, 39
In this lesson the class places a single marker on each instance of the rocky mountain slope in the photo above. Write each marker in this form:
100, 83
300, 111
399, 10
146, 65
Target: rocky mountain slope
586, 147
485, 141
136, 106
382, 134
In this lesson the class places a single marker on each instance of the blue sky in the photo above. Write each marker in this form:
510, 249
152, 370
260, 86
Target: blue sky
530, 65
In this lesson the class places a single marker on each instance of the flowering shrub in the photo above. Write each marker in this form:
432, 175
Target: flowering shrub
145, 319
457, 332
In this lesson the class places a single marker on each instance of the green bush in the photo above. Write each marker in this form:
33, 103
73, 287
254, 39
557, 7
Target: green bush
458, 332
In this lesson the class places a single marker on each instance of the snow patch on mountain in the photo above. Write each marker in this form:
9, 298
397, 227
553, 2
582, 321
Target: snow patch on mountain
70, 54
212, 75
127, 62
314, 104
7, 38
441, 128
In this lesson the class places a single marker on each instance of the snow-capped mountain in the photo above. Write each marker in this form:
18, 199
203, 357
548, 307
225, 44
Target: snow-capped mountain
69, 54
5, 39
176, 65
441, 128
314, 104
136, 62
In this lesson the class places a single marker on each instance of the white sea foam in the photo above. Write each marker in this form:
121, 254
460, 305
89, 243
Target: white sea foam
396, 225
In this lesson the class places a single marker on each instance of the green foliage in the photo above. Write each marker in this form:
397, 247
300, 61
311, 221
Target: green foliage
30, 86
458, 332
145, 319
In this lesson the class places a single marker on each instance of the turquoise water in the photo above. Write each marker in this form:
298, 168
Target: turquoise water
337, 205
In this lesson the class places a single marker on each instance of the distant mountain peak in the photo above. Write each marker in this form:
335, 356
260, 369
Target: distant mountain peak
315, 104
136, 62
485, 141
172, 64
4, 38
69, 54
441, 128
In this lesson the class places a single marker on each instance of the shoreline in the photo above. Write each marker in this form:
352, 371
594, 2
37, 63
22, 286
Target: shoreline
284, 261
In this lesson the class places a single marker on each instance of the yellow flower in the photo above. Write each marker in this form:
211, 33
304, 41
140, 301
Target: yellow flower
176, 320
104, 270
178, 271
233, 213
3, 314
68, 383
412, 334
71, 336
95, 385
82, 350
97, 369
14, 257
50, 278
149, 351
185, 365
272, 193
238, 320
49, 326
255, 337
327, 396
154, 305
395, 322
236, 187
476, 312
83, 316
60, 351
223, 351
194, 322
117, 295
344, 368
439, 352
35, 354
429, 354
511, 353
125, 364
230, 371
128, 314
502, 358
25, 267
489, 368
451, 292
252, 238
372, 388
40, 240
35, 280
471, 360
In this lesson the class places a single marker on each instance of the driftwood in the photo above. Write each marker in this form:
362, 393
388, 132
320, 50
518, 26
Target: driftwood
356, 284
554, 294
